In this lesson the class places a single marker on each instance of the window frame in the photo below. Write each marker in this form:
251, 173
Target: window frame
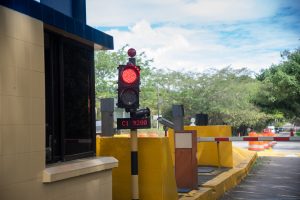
56, 93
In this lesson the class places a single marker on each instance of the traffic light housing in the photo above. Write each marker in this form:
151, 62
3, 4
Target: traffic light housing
128, 86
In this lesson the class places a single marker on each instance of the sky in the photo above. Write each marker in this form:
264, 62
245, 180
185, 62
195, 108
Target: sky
195, 35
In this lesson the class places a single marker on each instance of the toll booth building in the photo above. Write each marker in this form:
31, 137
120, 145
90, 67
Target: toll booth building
47, 100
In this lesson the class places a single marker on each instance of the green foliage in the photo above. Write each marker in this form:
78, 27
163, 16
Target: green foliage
228, 96
280, 88
106, 64
106, 72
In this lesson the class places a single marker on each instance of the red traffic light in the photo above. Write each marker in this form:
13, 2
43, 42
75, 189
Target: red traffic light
129, 75
128, 86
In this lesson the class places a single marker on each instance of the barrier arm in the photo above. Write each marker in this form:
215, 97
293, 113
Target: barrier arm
247, 138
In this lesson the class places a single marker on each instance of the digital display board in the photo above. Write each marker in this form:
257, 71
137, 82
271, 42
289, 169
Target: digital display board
133, 123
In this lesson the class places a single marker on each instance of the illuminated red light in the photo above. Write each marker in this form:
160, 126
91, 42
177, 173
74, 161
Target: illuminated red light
129, 75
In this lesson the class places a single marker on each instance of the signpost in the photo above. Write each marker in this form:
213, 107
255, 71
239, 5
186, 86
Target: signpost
128, 98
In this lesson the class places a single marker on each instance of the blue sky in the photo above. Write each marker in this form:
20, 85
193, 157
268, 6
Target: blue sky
186, 35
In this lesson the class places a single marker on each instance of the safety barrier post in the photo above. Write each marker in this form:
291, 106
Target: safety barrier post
186, 172
134, 164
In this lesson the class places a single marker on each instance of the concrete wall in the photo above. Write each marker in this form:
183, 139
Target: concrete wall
22, 119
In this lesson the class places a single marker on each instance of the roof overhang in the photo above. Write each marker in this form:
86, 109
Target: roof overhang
61, 23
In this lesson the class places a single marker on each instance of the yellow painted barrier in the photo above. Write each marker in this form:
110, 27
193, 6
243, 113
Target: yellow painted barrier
243, 160
216, 187
201, 194
156, 172
207, 152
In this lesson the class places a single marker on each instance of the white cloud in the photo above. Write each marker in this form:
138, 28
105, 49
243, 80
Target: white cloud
231, 10
181, 49
196, 35
124, 13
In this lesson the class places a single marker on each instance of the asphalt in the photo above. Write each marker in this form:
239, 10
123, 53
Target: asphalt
271, 178
274, 174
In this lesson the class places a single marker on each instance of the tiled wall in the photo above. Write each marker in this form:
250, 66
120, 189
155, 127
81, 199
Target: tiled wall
22, 119
22, 100
55, 18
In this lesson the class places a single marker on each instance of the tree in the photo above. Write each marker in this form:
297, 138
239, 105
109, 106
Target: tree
106, 74
106, 64
226, 95
280, 89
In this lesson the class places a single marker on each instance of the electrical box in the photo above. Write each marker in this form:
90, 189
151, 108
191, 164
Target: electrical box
107, 115
186, 169
178, 115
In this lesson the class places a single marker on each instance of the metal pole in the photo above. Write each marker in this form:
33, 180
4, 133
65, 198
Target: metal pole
157, 105
134, 154
134, 161
134, 164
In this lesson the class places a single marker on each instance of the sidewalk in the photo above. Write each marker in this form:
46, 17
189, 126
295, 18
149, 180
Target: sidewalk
214, 182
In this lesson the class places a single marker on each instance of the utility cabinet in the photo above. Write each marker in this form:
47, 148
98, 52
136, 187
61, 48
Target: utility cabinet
186, 160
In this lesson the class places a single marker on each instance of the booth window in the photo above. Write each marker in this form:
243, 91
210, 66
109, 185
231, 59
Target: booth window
70, 116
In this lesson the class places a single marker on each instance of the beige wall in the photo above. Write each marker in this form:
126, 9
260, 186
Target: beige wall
22, 119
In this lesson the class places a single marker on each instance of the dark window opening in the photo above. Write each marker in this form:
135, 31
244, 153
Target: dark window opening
70, 117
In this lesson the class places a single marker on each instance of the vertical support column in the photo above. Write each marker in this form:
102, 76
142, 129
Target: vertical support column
107, 115
178, 114
134, 148
134, 165
157, 105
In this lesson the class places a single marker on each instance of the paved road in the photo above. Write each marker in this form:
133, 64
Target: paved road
284, 134
288, 148
271, 178
275, 176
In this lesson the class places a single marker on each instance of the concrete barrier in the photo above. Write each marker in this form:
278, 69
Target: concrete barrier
213, 189
156, 172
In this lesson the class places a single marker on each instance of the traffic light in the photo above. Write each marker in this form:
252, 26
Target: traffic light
128, 86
